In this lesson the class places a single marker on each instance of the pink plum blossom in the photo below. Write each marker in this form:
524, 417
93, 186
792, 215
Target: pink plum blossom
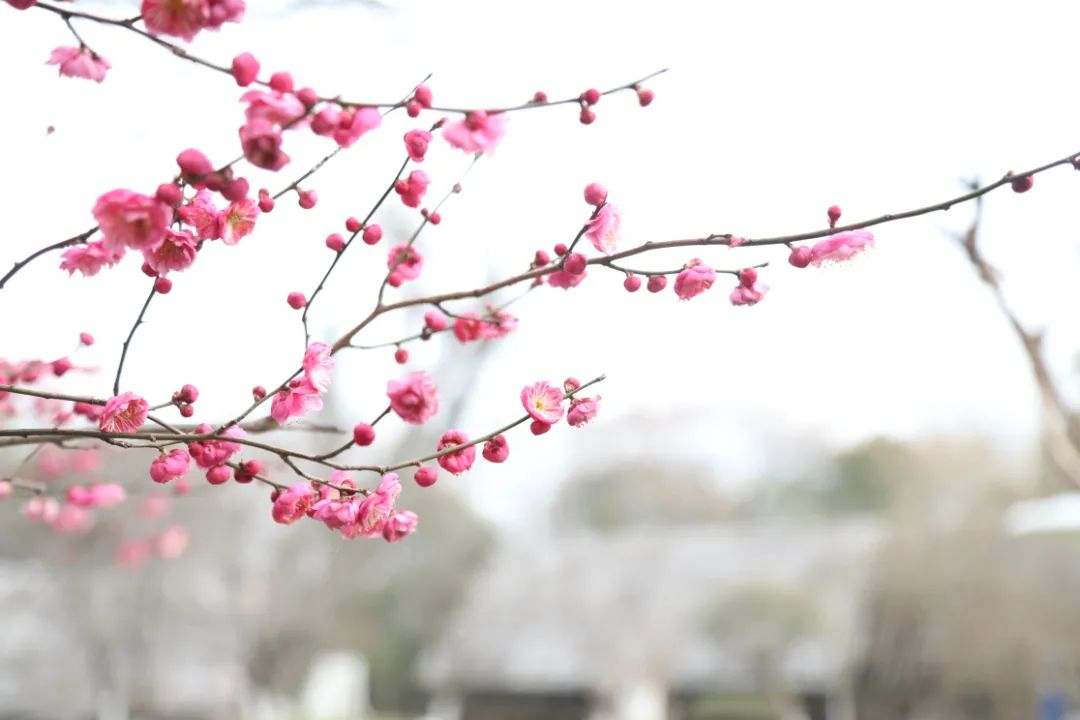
351, 124
171, 542
543, 402
176, 253
406, 261
41, 509
88, 259
131, 220
496, 450
272, 108
261, 141
416, 144
414, 398
297, 400
211, 453
840, 247
582, 410
400, 525
169, 466
104, 495
565, 280
695, 278
71, 519
238, 220
374, 510
181, 18
294, 503
317, 366
79, 63
477, 132
201, 213
752, 295
413, 188
458, 461
603, 230
124, 413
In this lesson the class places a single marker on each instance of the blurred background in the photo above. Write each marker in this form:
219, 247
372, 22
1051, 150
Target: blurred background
850, 501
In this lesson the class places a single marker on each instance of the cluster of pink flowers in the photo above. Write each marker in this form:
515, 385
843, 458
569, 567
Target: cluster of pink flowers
750, 290
212, 455
304, 394
351, 514
477, 132
544, 403
75, 514
186, 18
131, 220
405, 263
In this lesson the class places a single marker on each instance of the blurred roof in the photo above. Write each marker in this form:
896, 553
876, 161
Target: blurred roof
711, 607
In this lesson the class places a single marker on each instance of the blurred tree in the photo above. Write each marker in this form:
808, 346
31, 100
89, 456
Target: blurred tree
641, 493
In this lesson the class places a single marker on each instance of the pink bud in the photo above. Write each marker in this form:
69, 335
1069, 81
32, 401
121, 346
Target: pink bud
587, 116
834, 215
595, 194
169, 194
218, 474
245, 69
412, 108
266, 203
496, 450
61, 366
656, 283
540, 97
401, 356
644, 97
426, 476
308, 96
236, 189
335, 242
395, 279
561, 249
186, 411
147, 270
632, 283
258, 392
800, 256
1023, 184
435, 320
86, 339
590, 96
435, 218
372, 234
296, 300
575, 264
282, 82
571, 384
193, 163
353, 225
363, 434
539, 428
541, 258
163, 285
747, 277
252, 467
188, 393
307, 199
423, 95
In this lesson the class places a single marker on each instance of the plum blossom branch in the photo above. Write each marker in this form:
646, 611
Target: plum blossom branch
75, 240
131, 334
180, 52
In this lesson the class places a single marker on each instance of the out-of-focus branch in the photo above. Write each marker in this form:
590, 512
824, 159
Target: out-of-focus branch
1060, 440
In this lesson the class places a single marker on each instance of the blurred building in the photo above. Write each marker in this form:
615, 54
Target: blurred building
745, 620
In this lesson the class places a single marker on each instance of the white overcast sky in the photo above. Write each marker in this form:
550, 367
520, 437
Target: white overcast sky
771, 112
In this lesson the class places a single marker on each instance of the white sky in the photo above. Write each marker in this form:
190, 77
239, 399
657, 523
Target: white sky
771, 112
